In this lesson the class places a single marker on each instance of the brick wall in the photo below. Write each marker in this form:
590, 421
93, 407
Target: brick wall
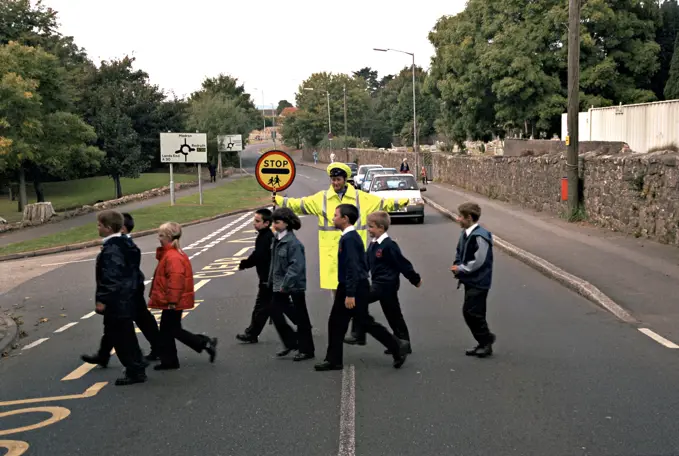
637, 194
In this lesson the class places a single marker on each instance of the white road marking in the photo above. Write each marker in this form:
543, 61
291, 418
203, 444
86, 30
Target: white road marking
65, 327
146, 282
200, 284
215, 233
222, 238
347, 439
91, 314
242, 251
658, 338
36, 343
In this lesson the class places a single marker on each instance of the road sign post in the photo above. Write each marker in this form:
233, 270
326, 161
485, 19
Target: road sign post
183, 148
275, 171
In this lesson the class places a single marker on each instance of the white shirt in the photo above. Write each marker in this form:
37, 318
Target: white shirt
110, 237
281, 234
348, 229
381, 238
469, 230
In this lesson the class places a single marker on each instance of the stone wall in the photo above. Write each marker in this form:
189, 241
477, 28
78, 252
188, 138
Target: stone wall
637, 194
523, 147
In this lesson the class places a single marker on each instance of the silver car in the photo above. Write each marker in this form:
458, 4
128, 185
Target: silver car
372, 173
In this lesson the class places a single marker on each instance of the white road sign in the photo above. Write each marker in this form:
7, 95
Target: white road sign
229, 143
183, 148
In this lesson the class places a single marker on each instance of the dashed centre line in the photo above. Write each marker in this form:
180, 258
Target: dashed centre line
35, 344
658, 338
65, 327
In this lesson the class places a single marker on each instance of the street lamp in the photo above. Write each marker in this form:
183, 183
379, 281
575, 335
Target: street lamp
415, 148
263, 115
311, 89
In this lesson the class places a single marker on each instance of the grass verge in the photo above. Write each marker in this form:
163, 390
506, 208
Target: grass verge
238, 194
76, 193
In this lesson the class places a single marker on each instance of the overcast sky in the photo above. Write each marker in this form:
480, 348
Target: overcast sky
268, 45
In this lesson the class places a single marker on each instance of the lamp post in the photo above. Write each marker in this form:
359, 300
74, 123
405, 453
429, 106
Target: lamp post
415, 148
311, 89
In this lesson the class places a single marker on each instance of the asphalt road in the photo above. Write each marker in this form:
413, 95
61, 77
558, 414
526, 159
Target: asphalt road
566, 379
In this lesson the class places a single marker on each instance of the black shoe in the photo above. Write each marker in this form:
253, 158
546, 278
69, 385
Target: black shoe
353, 340
327, 366
284, 352
409, 351
472, 351
485, 351
404, 348
211, 349
123, 381
153, 356
165, 367
303, 356
95, 359
247, 338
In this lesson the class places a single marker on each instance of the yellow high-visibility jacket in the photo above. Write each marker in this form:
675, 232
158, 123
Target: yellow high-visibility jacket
323, 205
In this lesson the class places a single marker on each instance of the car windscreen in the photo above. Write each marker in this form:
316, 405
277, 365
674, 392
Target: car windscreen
373, 172
384, 183
364, 169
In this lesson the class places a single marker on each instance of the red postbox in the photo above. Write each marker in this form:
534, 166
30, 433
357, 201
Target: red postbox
564, 189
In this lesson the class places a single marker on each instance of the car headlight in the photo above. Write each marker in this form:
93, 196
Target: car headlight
416, 201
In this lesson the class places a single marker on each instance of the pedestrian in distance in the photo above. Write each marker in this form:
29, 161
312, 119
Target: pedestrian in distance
473, 267
145, 321
386, 264
287, 279
352, 296
405, 168
117, 277
261, 260
172, 292
213, 172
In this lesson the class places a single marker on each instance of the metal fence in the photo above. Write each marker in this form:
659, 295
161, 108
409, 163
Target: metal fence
642, 126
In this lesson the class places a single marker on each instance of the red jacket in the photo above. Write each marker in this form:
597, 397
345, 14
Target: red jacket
172, 281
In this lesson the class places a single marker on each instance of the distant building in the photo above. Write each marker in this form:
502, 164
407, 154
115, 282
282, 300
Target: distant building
287, 111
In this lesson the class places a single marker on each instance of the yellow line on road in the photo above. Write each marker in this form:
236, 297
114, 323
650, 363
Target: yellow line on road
89, 392
200, 284
242, 251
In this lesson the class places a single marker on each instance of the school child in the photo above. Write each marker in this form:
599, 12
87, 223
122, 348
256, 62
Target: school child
386, 264
145, 321
352, 296
473, 267
117, 275
287, 279
172, 291
261, 260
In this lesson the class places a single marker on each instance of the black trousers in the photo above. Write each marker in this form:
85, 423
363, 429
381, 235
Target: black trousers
388, 298
302, 340
120, 333
262, 311
171, 329
146, 323
339, 323
474, 312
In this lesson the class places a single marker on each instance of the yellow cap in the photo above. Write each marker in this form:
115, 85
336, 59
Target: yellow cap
339, 167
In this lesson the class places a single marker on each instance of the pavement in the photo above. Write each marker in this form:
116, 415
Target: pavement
250, 153
567, 378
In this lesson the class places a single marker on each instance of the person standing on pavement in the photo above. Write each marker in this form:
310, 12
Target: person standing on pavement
145, 321
261, 260
323, 204
386, 263
332, 157
473, 267
405, 168
315, 154
172, 292
287, 279
117, 277
352, 296
213, 172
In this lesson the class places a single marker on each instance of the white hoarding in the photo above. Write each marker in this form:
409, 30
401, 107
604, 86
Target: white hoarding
229, 143
183, 148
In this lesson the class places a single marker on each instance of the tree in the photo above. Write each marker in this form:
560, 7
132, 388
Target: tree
126, 112
230, 88
672, 86
666, 34
216, 114
296, 127
36, 130
370, 77
282, 105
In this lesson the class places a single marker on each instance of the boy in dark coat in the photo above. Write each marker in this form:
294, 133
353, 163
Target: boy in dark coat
386, 264
473, 267
144, 319
261, 260
116, 292
352, 296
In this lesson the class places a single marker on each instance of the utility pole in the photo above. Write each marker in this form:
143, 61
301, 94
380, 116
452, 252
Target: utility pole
346, 146
572, 139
